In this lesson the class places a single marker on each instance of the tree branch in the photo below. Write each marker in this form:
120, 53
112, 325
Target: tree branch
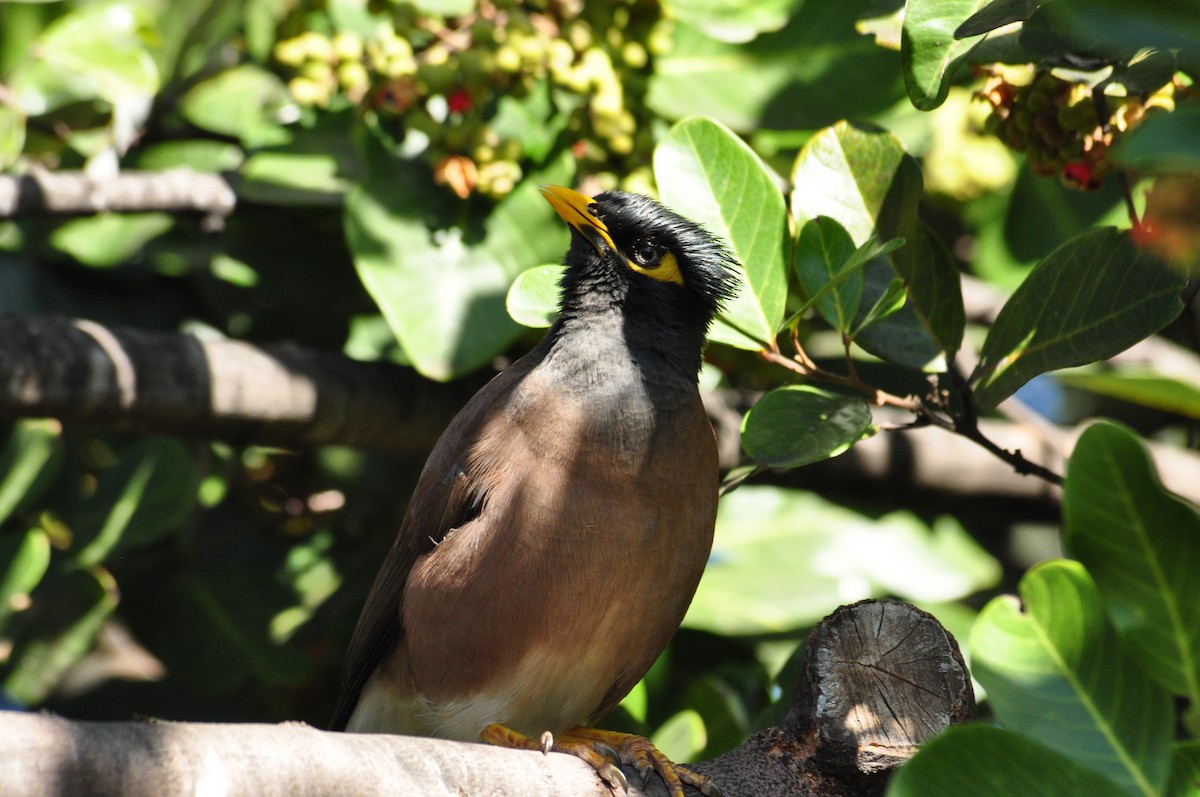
74, 192
225, 389
880, 677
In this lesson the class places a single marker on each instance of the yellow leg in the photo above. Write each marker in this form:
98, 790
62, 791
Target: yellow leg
599, 749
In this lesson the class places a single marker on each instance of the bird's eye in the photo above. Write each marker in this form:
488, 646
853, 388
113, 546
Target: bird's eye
646, 253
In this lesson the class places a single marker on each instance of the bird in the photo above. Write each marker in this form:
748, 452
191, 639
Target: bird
561, 524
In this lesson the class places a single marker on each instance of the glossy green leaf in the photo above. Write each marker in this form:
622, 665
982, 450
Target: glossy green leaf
712, 177
783, 559
142, 498
246, 102
983, 761
863, 179
30, 458
1142, 387
1093, 297
12, 134
796, 425
929, 52
109, 239
534, 296
996, 14
443, 290
823, 251
24, 559
64, 618
1142, 545
733, 20
1055, 672
885, 306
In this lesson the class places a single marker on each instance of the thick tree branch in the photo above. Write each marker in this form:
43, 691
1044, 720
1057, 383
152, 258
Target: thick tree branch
879, 678
73, 192
226, 389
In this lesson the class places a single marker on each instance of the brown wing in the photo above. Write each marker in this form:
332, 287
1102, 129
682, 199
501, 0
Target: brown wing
444, 499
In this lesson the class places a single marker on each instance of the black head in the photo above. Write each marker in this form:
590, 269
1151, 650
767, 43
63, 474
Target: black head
629, 252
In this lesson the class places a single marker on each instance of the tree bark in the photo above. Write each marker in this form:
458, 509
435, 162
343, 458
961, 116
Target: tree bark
73, 192
880, 677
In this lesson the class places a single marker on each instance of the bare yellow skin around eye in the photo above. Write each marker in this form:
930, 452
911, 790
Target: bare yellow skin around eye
667, 269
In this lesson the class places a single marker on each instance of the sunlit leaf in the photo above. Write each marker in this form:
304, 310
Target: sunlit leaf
984, 761
534, 296
1054, 672
783, 559
1142, 545
929, 51
712, 177
440, 286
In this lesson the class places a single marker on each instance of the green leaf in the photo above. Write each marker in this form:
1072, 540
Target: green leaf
1164, 142
443, 290
885, 306
142, 498
534, 296
997, 14
1185, 770
823, 252
929, 53
531, 121
796, 425
66, 613
1056, 674
803, 77
863, 179
96, 51
682, 737
733, 20
1142, 545
1162, 24
30, 459
982, 761
246, 102
783, 559
1138, 386
24, 559
109, 239
712, 177
293, 178
12, 134
199, 154
1093, 297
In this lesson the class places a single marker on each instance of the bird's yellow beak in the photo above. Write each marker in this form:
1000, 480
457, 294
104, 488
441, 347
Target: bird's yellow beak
572, 206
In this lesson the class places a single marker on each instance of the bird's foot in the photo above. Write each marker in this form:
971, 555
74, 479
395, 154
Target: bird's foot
592, 755
603, 750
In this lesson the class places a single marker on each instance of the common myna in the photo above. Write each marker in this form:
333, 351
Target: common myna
560, 526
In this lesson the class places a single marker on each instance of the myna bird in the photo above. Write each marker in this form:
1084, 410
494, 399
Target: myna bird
561, 524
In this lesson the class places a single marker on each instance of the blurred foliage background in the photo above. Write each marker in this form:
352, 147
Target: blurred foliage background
385, 158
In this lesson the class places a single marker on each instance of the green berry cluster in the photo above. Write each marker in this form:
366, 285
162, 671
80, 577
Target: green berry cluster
433, 84
1065, 128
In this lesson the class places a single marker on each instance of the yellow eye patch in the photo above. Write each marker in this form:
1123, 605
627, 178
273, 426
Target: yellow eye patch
667, 269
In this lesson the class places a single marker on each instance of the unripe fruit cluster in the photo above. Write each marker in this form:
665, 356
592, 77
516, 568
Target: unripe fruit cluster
432, 84
1064, 128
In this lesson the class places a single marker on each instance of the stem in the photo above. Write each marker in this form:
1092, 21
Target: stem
1127, 195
